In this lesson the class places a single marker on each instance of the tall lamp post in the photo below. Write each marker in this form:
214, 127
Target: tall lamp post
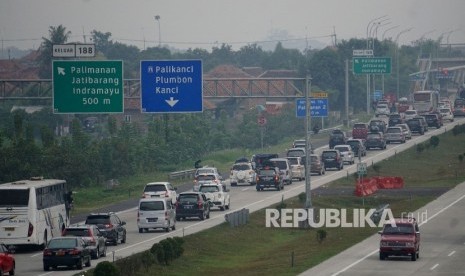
157, 18
397, 57
369, 26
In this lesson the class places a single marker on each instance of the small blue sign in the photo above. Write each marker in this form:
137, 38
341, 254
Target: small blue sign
171, 86
378, 95
318, 107
300, 109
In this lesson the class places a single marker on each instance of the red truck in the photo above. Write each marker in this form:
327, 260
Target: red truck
360, 131
401, 238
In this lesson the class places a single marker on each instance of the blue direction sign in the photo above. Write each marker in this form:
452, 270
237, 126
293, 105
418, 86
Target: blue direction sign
318, 107
171, 86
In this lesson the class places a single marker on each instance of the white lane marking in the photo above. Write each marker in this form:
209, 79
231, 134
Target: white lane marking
245, 189
423, 222
434, 266
451, 253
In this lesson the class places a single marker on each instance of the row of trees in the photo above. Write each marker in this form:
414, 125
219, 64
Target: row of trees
29, 144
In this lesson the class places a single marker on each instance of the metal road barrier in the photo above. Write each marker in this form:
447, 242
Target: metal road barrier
237, 218
182, 174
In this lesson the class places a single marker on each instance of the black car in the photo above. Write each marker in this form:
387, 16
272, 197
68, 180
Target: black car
92, 236
375, 140
417, 125
269, 177
192, 204
332, 159
395, 119
66, 251
111, 226
337, 137
433, 120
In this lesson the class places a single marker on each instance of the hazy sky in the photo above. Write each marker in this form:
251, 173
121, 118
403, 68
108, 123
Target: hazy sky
207, 23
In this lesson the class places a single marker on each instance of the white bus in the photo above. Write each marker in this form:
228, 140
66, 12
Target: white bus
33, 211
425, 101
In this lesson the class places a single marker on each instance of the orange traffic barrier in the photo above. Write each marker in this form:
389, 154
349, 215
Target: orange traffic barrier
368, 186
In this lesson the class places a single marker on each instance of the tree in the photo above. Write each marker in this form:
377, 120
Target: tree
57, 35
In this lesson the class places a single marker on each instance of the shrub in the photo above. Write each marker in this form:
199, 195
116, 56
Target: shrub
158, 252
434, 141
420, 148
321, 235
176, 244
168, 251
106, 268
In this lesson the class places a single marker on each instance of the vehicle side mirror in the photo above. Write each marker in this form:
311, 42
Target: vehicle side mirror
123, 223
175, 188
380, 232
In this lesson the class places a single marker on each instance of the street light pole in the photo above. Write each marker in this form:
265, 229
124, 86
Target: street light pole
157, 18
397, 58
368, 47
308, 187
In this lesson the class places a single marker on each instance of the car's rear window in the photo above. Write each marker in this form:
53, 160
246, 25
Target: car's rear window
154, 188
151, 206
62, 243
267, 172
292, 161
80, 232
187, 198
360, 126
209, 189
97, 219
241, 167
373, 136
342, 149
394, 130
329, 154
282, 165
205, 177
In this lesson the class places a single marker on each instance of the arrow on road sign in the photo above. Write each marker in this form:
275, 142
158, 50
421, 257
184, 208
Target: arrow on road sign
61, 71
171, 101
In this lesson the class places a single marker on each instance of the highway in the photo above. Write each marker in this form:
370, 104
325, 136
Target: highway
30, 263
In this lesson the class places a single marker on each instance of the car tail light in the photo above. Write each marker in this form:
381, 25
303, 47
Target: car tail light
200, 204
47, 252
276, 178
30, 229
74, 251
167, 194
109, 225
138, 216
177, 204
166, 215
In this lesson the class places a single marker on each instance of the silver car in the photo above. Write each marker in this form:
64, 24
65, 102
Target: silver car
395, 134
406, 130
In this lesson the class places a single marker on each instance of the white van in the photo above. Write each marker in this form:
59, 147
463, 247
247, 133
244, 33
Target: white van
284, 169
156, 212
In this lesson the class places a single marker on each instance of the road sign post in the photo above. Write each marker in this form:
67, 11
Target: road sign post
371, 65
171, 86
88, 86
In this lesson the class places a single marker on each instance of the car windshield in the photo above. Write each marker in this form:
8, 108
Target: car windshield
62, 243
151, 206
241, 167
209, 189
154, 188
398, 229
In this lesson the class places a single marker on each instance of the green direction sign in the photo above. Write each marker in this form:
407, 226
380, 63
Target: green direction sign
87, 86
371, 65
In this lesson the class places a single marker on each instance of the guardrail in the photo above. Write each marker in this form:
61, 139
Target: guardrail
182, 174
